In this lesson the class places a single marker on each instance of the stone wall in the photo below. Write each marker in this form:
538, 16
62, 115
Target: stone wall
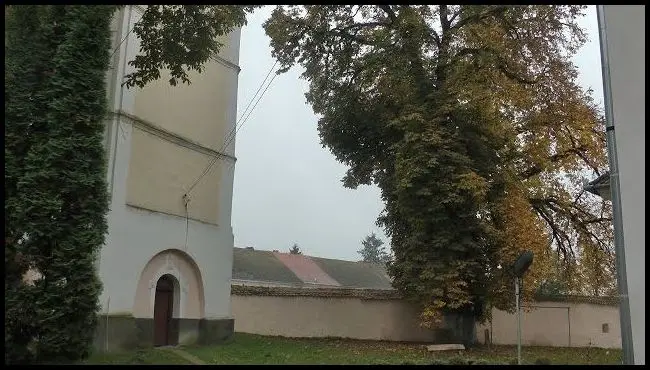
572, 322
345, 313
384, 315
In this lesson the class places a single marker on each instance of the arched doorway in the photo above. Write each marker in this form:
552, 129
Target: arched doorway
163, 310
188, 289
168, 270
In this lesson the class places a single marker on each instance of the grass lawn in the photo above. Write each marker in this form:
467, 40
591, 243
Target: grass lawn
141, 357
255, 349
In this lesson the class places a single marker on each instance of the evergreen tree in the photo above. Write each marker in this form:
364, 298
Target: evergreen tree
295, 249
62, 193
27, 55
373, 250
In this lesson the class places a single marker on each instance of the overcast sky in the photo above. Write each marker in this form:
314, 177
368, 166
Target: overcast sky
287, 186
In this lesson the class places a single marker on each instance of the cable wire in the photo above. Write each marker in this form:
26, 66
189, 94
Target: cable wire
258, 90
235, 129
186, 197
250, 112
232, 137
124, 38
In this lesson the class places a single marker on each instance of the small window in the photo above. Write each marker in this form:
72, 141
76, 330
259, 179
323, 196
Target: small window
605, 328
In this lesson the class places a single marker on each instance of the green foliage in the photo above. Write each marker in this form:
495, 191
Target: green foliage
552, 288
60, 202
468, 118
295, 249
595, 274
26, 59
373, 250
181, 38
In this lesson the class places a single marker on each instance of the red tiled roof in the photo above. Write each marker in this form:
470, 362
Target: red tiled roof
306, 269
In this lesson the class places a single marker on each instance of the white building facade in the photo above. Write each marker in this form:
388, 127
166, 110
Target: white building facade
167, 261
622, 38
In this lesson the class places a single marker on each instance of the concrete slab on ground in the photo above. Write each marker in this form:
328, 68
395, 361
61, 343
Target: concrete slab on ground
445, 347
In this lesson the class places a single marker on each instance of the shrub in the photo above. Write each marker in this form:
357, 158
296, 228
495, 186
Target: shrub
58, 196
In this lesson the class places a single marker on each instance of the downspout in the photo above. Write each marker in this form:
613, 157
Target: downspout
619, 243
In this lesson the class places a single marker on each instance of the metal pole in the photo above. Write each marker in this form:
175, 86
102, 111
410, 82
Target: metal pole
624, 302
518, 307
108, 305
491, 328
568, 316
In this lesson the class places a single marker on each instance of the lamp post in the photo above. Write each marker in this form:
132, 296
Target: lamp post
522, 264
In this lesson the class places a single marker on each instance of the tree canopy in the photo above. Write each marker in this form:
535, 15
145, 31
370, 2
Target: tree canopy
295, 249
373, 250
181, 38
56, 197
471, 121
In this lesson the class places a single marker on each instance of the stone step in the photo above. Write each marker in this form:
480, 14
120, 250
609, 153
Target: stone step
445, 347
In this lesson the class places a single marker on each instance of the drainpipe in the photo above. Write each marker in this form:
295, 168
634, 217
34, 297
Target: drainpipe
619, 243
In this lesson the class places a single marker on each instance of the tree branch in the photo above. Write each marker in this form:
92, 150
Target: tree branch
389, 12
444, 20
361, 25
537, 168
565, 211
557, 234
435, 37
561, 208
581, 154
501, 64
343, 31
455, 15
357, 12
479, 17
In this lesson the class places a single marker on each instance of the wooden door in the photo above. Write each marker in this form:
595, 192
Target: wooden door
162, 311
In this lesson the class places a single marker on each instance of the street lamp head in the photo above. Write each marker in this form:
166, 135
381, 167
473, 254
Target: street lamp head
600, 186
522, 264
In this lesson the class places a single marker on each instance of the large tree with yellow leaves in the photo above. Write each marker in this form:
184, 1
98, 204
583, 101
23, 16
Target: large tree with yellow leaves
471, 121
